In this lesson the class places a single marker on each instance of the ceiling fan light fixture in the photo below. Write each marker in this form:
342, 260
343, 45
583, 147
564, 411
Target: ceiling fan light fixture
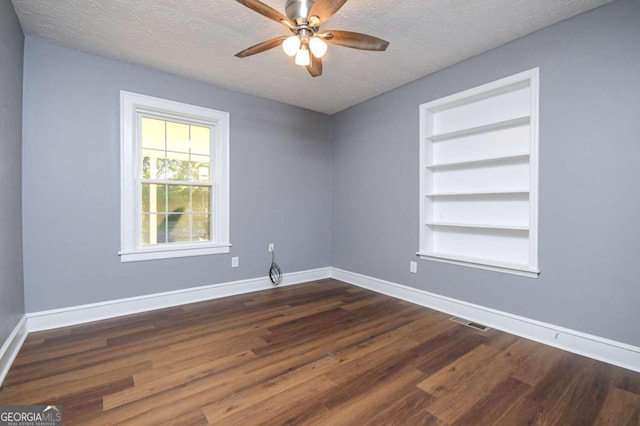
302, 57
306, 42
291, 45
318, 47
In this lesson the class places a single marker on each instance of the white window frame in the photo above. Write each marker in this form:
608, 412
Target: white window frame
428, 224
132, 105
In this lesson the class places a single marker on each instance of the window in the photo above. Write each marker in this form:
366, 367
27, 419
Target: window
175, 179
479, 177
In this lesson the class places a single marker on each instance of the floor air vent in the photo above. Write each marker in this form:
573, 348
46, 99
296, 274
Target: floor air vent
470, 323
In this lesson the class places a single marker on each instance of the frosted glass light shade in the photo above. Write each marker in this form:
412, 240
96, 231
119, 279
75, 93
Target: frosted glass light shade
291, 45
302, 57
318, 47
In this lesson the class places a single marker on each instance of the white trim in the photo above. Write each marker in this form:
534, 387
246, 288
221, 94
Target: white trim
12, 346
602, 349
166, 252
131, 106
534, 169
488, 265
599, 348
55, 318
484, 91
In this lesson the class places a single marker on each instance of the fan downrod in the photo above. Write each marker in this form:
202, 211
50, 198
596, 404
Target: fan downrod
298, 10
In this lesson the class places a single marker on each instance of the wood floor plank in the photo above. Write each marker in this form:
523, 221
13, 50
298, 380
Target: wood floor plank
620, 408
470, 382
151, 382
58, 386
523, 412
626, 380
539, 361
61, 351
490, 409
63, 369
87, 402
245, 400
278, 402
405, 410
552, 387
454, 375
583, 398
323, 353
538, 405
163, 367
448, 347
353, 408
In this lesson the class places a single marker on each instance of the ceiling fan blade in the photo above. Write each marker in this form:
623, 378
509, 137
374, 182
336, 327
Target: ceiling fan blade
315, 69
354, 40
324, 9
261, 47
268, 11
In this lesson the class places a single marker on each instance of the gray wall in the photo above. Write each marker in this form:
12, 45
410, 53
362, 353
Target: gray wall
589, 174
11, 280
280, 182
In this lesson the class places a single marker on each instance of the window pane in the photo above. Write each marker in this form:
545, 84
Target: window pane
177, 137
178, 227
177, 166
200, 199
178, 199
161, 228
153, 164
162, 198
153, 229
201, 227
200, 140
153, 133
200, 168
154, 198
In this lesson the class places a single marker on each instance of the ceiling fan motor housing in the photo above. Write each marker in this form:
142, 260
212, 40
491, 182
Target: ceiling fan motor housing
298, 10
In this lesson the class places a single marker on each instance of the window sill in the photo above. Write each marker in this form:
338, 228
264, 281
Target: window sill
509, 268
168, 252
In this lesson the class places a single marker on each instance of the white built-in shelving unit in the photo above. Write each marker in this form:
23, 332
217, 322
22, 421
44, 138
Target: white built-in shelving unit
479, 176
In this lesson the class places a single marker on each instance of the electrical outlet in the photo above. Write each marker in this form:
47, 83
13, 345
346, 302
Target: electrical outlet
270, 249
235, 262
413, 267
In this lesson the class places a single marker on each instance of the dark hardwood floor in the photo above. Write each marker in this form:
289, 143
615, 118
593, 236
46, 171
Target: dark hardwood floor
322, 353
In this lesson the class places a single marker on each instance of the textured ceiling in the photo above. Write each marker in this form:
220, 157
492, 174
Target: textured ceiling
198, 39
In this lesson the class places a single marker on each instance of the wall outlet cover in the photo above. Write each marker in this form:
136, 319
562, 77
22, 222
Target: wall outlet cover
413, 267
271, 246
235, 262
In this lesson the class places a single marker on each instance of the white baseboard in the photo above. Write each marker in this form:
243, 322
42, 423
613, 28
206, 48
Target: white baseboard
12, 346
609, 351
46, 320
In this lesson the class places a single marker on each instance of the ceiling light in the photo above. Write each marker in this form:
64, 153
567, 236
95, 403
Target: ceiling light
291, 45
318, 47
305, 38
302, 57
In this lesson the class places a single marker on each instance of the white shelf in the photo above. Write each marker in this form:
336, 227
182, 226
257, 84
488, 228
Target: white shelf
479, 225
478, 161
490, 264
514, 122
479, 177
463, 193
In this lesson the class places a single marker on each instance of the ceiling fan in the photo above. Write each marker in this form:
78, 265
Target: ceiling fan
308, 44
